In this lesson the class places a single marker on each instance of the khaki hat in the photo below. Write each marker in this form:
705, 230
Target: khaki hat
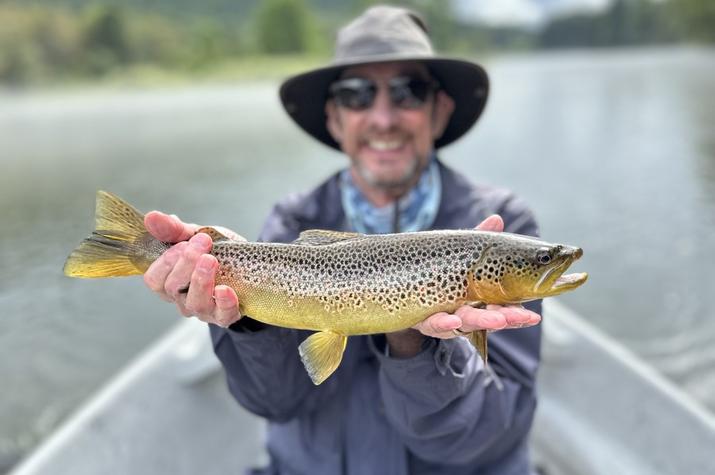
386, 34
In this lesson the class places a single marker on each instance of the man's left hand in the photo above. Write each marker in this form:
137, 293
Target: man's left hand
467, 319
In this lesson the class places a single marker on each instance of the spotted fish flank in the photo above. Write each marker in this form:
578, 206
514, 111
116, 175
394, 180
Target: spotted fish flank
341, 284
353, 276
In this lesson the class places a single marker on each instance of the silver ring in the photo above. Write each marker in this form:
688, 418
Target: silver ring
459, 332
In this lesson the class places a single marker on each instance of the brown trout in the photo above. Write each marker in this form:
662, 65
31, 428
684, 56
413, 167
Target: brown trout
340, 284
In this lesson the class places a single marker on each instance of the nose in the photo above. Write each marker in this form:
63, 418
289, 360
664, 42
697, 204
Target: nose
576, 252
383, 114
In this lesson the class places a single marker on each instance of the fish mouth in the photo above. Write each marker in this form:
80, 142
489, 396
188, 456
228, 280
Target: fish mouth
568, 282
554, 281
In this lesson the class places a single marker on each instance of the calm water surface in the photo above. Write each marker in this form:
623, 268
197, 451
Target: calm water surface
615, 152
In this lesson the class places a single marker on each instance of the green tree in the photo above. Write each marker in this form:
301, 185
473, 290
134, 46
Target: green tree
154, 39
106, 39
284, 26
696, 18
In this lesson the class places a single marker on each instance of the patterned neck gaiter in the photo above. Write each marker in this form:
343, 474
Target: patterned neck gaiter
416, 211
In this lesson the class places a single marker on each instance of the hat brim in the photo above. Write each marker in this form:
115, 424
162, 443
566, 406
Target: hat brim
304, 95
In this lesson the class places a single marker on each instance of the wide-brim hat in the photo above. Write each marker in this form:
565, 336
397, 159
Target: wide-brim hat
387, 34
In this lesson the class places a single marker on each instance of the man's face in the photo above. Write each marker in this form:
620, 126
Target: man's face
389, 144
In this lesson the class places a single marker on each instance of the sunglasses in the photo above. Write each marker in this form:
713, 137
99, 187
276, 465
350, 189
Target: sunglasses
405, 92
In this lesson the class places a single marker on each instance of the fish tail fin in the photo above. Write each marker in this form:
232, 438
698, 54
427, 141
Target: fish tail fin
478, 339
119, 246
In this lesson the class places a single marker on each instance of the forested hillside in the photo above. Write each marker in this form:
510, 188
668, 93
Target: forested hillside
44, 41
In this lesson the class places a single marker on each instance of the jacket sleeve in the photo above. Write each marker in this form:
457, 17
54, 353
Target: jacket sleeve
265, 374
263, 368
447, 405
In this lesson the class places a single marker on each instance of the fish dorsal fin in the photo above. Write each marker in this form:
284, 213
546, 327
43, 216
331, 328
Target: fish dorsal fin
322, 237
217, 234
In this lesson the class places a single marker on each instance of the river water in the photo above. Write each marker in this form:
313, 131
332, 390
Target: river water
614, 150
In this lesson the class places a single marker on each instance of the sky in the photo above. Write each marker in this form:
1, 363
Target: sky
520, 12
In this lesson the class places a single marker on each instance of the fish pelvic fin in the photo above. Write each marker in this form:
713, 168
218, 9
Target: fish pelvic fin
478, 339
321, 354
120, 245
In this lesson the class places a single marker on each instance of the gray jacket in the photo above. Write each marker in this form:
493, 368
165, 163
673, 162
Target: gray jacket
439, 412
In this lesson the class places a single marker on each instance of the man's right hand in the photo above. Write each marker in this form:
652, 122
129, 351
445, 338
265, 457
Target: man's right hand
188, 264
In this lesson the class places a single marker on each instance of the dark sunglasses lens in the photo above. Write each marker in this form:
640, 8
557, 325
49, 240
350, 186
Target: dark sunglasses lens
354, 93
409, 93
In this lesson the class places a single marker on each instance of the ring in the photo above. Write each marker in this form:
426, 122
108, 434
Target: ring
459, 332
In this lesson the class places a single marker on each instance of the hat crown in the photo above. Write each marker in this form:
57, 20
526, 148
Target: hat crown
383, 31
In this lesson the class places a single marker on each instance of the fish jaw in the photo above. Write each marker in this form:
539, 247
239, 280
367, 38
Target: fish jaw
567, 282
555, 282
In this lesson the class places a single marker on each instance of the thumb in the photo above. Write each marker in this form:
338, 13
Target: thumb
492, 223
168, 228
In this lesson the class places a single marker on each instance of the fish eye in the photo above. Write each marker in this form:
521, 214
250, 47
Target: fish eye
543, 256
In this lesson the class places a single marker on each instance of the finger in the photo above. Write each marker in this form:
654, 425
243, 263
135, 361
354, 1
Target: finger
227, 311
492, 223
439, 325
181, 305
168, 228
199, 299
180, 276
480, 319
159, 270
517, 316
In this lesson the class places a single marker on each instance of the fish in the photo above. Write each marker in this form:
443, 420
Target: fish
341, 284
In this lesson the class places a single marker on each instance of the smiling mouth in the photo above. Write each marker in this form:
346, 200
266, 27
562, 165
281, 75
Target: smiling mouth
385, 145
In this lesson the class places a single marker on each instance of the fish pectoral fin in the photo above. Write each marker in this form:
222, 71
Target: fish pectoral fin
476, 304
216, 233
321, 354
478, 339
322, 237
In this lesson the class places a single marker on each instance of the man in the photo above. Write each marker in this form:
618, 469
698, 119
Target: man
418, 401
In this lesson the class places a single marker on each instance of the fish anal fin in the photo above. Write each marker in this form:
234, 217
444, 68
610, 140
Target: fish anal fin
321, 354
322, 237
217, 233
478, 339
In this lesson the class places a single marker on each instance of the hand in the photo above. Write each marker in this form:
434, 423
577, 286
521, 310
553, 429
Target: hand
189, 264
468, 319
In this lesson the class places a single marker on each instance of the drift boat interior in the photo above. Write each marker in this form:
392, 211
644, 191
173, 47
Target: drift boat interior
601, 411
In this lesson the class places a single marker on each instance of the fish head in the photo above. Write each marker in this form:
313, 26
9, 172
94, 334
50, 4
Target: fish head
517, 269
